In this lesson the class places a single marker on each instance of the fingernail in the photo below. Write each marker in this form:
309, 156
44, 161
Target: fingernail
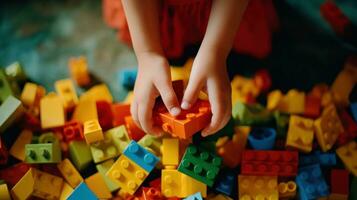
185, 105
175, 111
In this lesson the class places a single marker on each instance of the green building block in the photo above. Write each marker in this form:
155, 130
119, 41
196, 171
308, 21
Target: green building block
353, 189
7, 87
80, 155
120, 137
200, 164
10, 111
43, 153
104, 149
16, 72
48, 137
282, 124
152, 144
102, 169
251, 115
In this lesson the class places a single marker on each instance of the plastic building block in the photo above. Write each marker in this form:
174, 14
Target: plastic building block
353, 107
327, 128
151, 194
231, 150
152, 144
97, 93
270, 163
311, 183
200, 164
104, 149
80, 154
17, 150
300, 134
78, 69
4, 154
69, 173
196, 196
293, 102
52, 111
262, 79
226, 182
127, 174
287, 190
43, 153
11, 110
348, 155
6, 87
105, 115
46, 186
327, 159
252, 114
4, 192
85, 111
312, 106
141, 156
103, 169
82, 191
92, 131
120, 137
65, 90
66, 191
339, 184
72, 131
350, 128
273, 99
48, 137
14, 173
262, 138
127, 77
32, 94
97, 185
187, 123
120, 111
258, 187
342, 86
282, 124
170, 152
243, 89
16, 72
177, 184
134, 132
25, 186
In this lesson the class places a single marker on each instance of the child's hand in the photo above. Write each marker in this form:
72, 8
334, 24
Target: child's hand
153, 80
209, 73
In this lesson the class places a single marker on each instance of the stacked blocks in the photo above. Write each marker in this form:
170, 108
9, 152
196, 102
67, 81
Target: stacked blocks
258, 187
200, 164
269, 163
311, 183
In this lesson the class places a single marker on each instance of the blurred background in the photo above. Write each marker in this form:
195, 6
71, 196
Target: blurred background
306, 46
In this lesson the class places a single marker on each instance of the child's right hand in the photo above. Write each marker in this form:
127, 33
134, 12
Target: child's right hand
153, 80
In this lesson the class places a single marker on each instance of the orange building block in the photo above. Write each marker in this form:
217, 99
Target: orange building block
32, 94
134, 132
120, 111
231, 150
300, 133
84, 111
258, 187
52, 111
78, 69
65, 90
328, 127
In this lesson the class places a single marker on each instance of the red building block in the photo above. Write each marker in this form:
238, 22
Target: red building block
337, 20
4, 154
134, 132
156, 183
270, 163
312, 106
14, 173
105, 115
151, 194
120, 111
339, 182
350, 128
72, 131
31, 122
262, 80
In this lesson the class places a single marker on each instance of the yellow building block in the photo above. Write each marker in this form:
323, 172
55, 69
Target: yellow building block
85, 111
25, 186
97, 184
4, 192
97, 93
300, 133
92, 131
128, 175
78, 69
293, 102
47, 186
65, 90
192, 186
273, 99
51, 111
170, 152
348, 155
343, 85
66, 191
328, 127
69, 173
287, 190
32, 94
243, 89
258, 187
18, 148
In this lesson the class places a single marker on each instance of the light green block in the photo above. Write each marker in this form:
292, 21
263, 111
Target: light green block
104, 149
120, 137
43, 153
251, 115
80, 155
102, 169
16, 72
5, 87
151, 143
10, 111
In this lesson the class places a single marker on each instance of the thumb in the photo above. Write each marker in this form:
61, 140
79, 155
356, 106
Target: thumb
191, 93
169, 98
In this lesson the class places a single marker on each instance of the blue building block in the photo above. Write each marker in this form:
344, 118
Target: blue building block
324, 159
127, 76
82, 191
262, 138
141, 156
354, 110
310, 159
311, 183
226, 182
196, 196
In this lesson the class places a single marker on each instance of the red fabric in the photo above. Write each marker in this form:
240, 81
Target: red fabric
184, 22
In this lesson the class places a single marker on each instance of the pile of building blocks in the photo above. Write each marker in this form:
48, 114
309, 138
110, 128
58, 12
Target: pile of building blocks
61, 145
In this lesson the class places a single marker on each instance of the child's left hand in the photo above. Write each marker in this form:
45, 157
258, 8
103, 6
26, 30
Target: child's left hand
209, 73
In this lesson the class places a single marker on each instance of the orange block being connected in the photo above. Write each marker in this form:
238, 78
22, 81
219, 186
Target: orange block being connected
120, 111
78, 69
300, 133
52, 111
66, 91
